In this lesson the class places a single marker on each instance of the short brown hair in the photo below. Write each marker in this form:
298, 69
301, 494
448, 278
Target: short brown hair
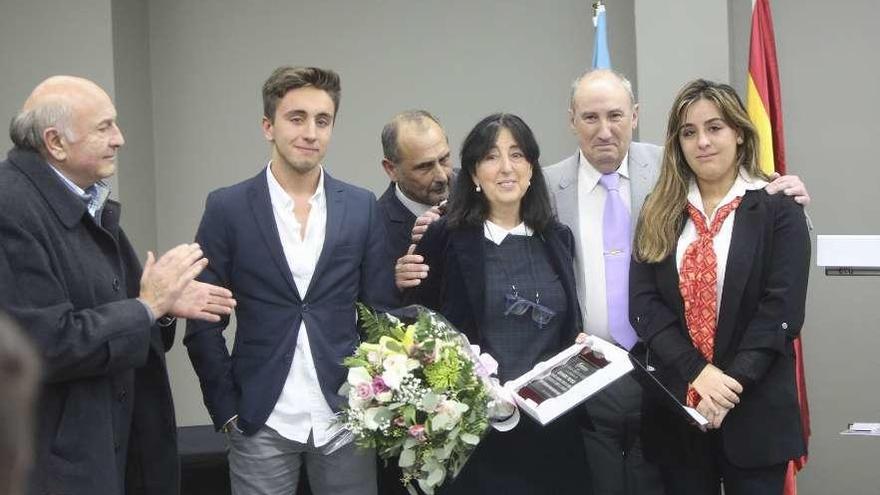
288, 78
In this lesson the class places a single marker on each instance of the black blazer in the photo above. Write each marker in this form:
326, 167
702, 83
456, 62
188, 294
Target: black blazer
762, 311
104, 420
456, 281
398, 222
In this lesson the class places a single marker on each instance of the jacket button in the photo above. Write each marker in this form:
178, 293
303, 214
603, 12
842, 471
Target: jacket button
784, 325
305, 307
122, 396
115, 285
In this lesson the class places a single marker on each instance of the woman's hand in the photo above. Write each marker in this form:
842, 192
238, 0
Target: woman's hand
706, 408
721, 391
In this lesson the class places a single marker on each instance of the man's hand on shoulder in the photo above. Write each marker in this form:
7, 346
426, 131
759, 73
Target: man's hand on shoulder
409, 270
790, 185
423, 221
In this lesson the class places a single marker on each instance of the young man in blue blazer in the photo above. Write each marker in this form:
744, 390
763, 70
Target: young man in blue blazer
298, 248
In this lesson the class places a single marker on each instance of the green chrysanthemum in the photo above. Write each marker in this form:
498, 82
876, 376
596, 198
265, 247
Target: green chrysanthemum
445, 372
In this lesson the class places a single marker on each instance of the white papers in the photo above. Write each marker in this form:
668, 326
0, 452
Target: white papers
548, 410
848, 251
865, 429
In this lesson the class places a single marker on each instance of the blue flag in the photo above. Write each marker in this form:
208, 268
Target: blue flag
601, 59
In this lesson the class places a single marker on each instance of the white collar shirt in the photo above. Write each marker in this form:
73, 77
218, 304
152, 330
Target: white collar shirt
497, 233
721, 241
301, 408
591, 208
414, 207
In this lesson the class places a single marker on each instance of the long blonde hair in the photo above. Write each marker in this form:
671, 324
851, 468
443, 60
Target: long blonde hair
662, 217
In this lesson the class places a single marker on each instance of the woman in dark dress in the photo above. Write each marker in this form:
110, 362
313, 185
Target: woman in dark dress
501, 271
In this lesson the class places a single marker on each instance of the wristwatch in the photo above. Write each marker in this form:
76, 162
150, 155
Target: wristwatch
166, 321
231, 425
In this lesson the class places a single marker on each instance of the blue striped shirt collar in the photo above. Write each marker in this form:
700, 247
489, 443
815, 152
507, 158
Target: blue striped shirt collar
94, 197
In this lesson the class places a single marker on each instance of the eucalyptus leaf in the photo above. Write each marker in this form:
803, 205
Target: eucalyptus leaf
407, 458
470, 438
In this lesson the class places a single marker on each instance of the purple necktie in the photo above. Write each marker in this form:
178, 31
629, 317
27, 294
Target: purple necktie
617, 249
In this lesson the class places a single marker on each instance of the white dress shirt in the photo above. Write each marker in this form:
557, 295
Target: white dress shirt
591, 208
414, 207
497, 233
301, 407
721, 242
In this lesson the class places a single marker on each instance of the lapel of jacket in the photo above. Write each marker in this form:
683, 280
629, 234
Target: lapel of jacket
398, 213
261, 206
469, 250
566, 194
640, 183
334, 194
743, 243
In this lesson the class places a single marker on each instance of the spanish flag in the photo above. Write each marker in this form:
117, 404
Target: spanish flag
764, 105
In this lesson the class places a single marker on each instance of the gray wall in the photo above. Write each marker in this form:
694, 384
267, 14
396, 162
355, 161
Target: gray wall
134, 104
669, 56
186, 76
37, 42
831, 98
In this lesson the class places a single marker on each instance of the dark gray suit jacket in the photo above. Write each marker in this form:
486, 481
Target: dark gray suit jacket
398, 222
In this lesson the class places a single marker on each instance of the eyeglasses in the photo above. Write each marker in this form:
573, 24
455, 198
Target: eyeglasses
517, 305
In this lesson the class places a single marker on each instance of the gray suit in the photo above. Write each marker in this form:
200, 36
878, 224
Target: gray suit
614, 447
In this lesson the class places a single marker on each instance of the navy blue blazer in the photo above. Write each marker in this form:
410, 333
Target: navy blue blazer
456, 282
762, 311
240, 238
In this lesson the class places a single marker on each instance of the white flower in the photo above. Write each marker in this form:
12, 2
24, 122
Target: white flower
396, 367
358, 376
448, 414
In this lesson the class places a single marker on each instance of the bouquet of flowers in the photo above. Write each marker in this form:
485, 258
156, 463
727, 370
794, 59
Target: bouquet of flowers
420, 392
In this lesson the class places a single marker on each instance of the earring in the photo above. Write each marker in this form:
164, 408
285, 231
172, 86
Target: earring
739, 140
478, 188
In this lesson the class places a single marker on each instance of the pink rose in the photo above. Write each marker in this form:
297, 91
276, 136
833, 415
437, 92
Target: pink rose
417, 432
364, 391
379, 385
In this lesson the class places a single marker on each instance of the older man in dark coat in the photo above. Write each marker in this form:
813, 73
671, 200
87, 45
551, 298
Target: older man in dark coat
105, 421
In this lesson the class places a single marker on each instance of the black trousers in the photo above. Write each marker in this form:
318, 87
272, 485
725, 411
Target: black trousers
614, 447
707, 476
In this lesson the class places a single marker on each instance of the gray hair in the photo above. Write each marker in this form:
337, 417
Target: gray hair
592, 72
389, 133
26, 129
